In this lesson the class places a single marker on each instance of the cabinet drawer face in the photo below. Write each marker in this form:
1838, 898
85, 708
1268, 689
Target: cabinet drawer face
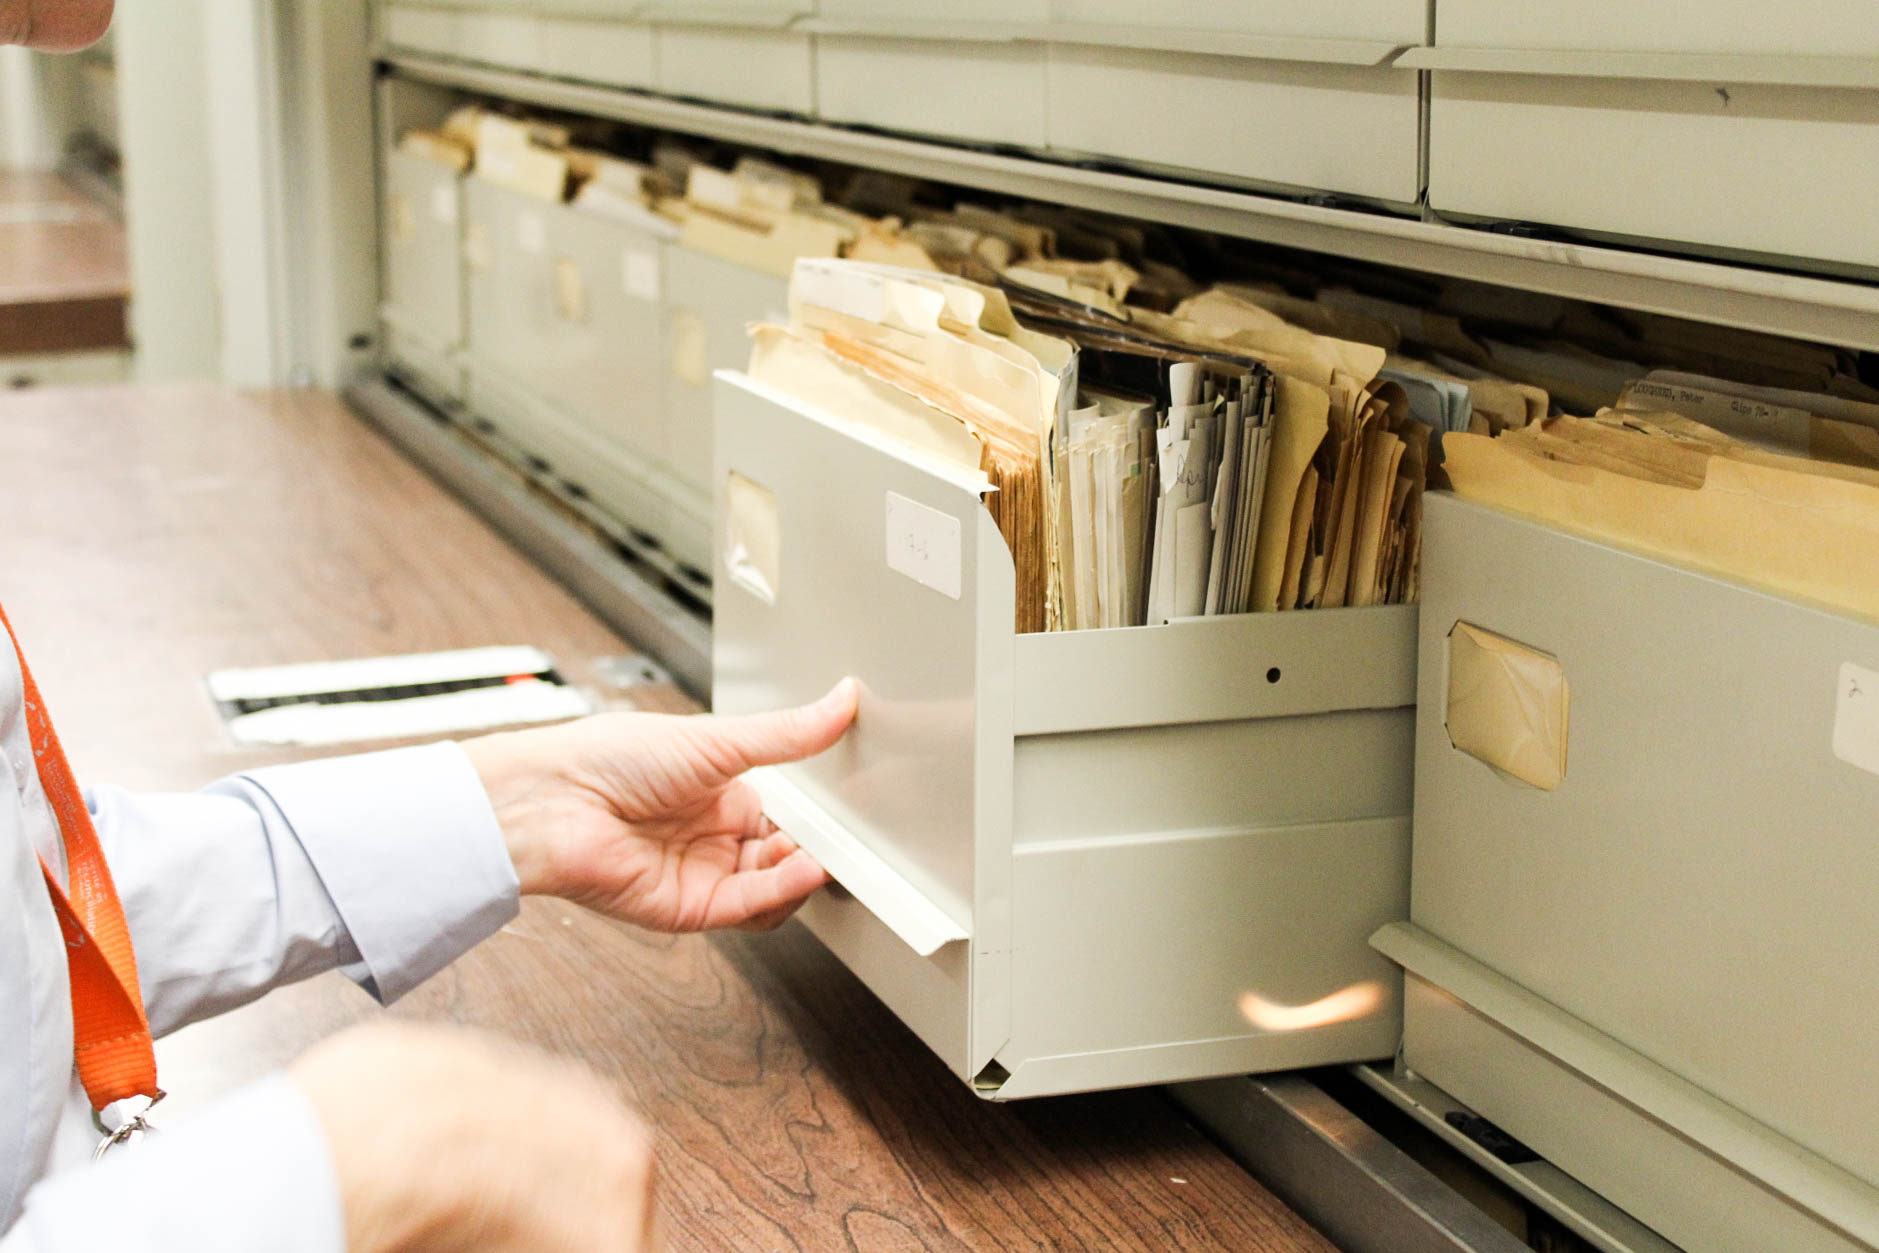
983, 92
804, 594
1346, 129
616, 54
1749, 167
1820, 27
615, 10
709, 302
1698, 885
603, 363
510, 296
886, 12
1401, 21
420, 29
423, 255
510, 40
758, 69
1657, 1176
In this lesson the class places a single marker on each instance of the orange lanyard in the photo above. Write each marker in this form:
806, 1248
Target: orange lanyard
110, 1035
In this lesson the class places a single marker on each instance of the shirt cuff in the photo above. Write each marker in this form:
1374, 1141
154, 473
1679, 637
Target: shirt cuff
253, 1171
408, 848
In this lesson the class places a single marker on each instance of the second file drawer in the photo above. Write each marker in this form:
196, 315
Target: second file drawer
1071, 860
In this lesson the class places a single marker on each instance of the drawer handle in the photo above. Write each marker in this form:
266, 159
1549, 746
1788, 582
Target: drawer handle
1790, 71
905, 910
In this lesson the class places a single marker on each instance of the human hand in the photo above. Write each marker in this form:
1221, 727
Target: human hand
643, 817
446, 1141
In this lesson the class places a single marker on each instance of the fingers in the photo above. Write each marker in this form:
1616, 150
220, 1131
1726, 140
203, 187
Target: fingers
751, 898
737, 743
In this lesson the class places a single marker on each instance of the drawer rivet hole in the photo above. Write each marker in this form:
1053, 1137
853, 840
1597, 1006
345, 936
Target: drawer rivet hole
1272, 675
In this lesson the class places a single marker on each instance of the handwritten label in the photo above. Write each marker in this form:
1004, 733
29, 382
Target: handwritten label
444, 203
639, 273
923, 544
531, 235
1856, 718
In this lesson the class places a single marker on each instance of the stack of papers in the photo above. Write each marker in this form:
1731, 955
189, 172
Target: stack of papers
1672, 487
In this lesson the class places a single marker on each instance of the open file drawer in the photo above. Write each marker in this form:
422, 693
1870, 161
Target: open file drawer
423, 305
1660, 974
1074, 860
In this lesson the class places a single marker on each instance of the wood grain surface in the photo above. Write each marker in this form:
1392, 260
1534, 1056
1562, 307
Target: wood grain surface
158, 533
64, 271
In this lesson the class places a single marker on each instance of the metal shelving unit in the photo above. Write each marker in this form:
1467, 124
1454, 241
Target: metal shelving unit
1829, 310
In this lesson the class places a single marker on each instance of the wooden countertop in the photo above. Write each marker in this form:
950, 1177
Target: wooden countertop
155, 534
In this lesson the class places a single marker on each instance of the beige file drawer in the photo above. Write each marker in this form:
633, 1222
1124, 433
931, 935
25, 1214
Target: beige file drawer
1341, 127
757, 66
505, 34
970, 71
1068, 861
422, 305
1625, 1146
980, 91
509, 297
1745, 27
709, 303
603, 363
1396, 22
421, 28
1738, 166
1696, 894
615, 53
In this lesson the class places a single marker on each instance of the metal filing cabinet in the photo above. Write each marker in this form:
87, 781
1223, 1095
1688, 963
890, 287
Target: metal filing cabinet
740, 54
961, 71
1072, 860
422, 308
596, 41
1661, 973
1295, 94
1630, 120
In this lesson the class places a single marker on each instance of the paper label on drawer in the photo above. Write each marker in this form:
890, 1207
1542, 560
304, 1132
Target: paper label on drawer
639, 272
1856, 718
531, 235
444, 203
923, 544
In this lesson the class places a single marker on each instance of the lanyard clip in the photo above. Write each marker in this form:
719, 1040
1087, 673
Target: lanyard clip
131, 1128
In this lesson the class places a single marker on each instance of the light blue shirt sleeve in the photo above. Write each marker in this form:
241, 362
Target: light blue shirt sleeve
388, 865
252, 1172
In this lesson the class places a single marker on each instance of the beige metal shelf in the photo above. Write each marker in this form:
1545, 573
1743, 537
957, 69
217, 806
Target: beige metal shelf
1828, 310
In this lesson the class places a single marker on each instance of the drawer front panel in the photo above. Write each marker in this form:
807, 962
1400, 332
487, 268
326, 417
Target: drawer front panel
1403, 21
981, 92
615, 54
1820, 27
510, 297
923, 779
1661, 1179
758, 69
419, 29
423, 254
1649, 159
604, 360
709, 302
1347, 129
1698, 886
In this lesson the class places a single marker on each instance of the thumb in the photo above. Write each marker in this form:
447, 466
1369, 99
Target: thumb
745, 740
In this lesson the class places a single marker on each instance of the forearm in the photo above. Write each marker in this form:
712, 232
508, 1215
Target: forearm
388, 865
